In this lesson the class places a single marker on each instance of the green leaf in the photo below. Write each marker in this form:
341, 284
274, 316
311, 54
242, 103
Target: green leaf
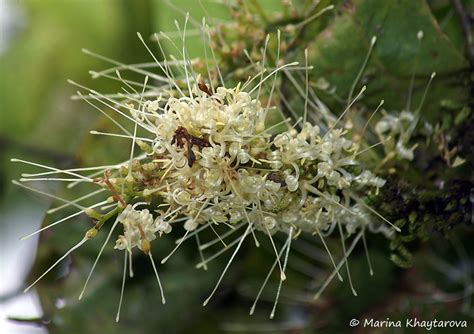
337, 54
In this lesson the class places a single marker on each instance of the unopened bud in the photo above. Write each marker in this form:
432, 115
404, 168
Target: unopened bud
146, 247
92, 213
91, 233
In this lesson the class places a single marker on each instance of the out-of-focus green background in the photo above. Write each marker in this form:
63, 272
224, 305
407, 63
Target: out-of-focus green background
41, 49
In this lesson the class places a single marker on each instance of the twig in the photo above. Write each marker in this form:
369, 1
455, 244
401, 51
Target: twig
465, 20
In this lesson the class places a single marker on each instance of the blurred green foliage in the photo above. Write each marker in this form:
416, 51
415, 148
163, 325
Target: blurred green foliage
338, 50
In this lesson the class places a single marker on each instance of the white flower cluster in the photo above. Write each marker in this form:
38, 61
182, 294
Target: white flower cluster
209, 158
220, 164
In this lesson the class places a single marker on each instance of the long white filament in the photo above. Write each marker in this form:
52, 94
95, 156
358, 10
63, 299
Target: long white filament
329, 253
117, 317
163, 300
290, 236
277, 260
79, 244
344, 259
98, 257
228, 264
343, 243
174, 249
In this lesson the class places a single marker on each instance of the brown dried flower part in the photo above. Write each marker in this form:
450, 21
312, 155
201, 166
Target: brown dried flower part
277, 178
203, 87
180, 134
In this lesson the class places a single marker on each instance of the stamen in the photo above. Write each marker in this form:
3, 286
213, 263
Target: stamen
277, 260
228, 264
346, 110
264, 54
374, 145
225, 235
396, 228
419, 36
329, 253
317, 192
174, 250
120, 126
361, 71
125, 66
370, 118
97, 258
307, 87
79, 244
52, 210
47, 194
290, 235
163, 300
203, 38
98, 97
257, 244
117, 317
279, 68
313, 17
214, 57
61, 220
282, 273
49, 179
371, 271
200, 229
52, 169
183, 36
219, 253
198, 242
347, 262
93, 132
276, 74
167, 65
344, 259
217, 234
128, 82
425, 92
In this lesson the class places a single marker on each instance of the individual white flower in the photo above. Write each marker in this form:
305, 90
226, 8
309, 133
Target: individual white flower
190, 224
368, 178
138, 229
162, 225
399, 128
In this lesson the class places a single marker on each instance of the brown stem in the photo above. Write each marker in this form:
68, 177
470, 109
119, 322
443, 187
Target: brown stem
466, 26
116, 196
